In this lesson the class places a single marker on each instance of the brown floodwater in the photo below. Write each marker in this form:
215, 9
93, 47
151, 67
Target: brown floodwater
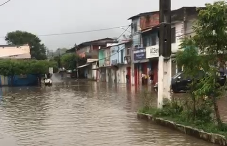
80, 114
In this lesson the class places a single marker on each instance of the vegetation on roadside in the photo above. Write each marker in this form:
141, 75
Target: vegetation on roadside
18, 67
175, 112
69, 61
205, 51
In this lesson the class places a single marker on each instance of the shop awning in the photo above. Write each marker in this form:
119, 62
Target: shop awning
83, 66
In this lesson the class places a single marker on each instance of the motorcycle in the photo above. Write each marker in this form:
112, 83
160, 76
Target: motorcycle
47, 82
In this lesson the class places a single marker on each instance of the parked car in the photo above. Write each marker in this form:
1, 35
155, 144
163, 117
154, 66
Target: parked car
180, 82
71, 73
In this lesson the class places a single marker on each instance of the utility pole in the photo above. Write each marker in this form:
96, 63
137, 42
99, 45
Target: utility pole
164, 65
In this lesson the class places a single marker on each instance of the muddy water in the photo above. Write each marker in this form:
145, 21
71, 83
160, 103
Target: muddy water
80, 114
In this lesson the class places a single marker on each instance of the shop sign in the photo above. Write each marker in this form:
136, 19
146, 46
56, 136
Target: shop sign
152, 51
139, 54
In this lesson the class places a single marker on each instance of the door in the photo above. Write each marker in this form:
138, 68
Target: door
109, 76
136, 75
144, 71
129, 75
115, 76
122, 56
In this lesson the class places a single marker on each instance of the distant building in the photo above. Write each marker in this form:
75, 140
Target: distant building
113, 63
90, 52
15, 52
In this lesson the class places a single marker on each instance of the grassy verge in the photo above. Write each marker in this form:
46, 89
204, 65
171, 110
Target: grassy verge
209, 127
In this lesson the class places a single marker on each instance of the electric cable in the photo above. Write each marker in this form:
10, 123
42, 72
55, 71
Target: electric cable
4, 3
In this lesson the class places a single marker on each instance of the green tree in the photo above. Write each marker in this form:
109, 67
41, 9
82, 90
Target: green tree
69, 61
211, 43
191, 68
38, 50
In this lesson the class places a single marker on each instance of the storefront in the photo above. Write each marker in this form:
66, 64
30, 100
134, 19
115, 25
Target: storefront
153, 54
141, 64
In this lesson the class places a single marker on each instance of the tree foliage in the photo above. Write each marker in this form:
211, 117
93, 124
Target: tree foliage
206, 51
69, 61
38, 50
18, 67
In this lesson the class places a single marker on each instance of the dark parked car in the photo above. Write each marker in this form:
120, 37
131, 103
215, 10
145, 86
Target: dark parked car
71, 73
180, 81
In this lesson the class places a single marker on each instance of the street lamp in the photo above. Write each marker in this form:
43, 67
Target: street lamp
125, 29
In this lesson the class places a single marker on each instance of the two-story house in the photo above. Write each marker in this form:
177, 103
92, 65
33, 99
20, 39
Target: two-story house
145, 30
104, 63
140, 23
90, 51
114, 62
120, 67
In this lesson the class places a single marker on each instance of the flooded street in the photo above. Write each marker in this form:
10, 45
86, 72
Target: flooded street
80, 114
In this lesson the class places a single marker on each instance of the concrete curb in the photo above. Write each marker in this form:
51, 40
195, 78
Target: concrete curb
209, 137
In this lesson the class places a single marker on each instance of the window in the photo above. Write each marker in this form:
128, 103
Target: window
144, 41
149, 40
153, 40
135, 26
173, 35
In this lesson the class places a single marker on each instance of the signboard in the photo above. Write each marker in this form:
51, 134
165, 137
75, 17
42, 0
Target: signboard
139, 53
152, 51
51, 70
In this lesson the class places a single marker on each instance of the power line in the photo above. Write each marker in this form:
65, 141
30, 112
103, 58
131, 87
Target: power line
87, 31
5, 3
123, 32
79, 32
118, 49
124, 48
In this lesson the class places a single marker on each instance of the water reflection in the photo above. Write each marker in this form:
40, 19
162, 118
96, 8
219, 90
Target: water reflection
80, 113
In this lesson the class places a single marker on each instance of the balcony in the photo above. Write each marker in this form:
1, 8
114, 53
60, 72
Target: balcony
114, 62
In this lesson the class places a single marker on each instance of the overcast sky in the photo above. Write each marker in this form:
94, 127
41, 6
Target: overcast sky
60, 16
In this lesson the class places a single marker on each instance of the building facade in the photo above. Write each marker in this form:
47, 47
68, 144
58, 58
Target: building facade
15, 52
114, 64
90, 52
145, 29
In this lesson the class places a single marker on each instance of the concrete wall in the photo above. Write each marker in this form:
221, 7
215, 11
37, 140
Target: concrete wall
107, 56
83, 50
122, 74
17, 52
89, 72
94, 72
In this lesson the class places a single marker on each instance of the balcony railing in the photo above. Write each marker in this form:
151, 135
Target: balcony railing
114, 62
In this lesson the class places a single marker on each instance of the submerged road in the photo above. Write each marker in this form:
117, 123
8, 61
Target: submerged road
80, 114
